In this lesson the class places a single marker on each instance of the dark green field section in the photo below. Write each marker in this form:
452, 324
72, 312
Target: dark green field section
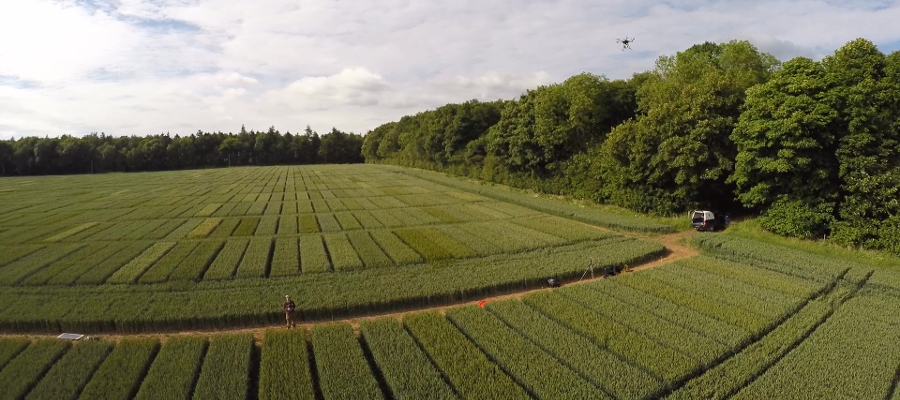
220, 248
820, 329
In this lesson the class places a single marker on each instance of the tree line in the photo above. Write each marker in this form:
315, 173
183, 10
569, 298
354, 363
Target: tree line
812, 146
104, 153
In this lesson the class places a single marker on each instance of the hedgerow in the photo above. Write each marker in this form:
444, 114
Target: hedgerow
313, 258
342, 367
536, 370
121, 373
226, 262
174, 371
24, 371
226, 368
284, 371
603, 368
70, 374
470, 372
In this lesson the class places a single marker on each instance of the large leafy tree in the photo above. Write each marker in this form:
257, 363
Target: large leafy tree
678, 153
543, 129
786, 139
864, 91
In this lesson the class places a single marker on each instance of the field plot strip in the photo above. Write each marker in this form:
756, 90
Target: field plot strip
174, 372
342, 368
226, 368
469, 371
23, 372
536, 370
855, 348
604, 369
121, 373
284, 366
406, 368
71, 373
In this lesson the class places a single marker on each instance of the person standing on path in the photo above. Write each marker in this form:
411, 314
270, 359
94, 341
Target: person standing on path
289, 307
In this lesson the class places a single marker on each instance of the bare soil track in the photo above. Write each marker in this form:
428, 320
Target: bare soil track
675, 243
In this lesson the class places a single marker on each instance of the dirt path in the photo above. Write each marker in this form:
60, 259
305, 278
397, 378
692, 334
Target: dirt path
675, 243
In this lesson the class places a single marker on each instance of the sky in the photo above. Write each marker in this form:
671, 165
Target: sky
139, 67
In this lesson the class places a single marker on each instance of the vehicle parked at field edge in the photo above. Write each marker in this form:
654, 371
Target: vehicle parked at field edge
703, 220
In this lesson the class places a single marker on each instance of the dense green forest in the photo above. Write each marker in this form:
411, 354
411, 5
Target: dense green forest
812, 146
102, 153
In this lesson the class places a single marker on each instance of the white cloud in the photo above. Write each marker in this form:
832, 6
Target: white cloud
146, 66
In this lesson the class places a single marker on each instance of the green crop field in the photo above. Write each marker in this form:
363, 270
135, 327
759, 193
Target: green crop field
218, 249
744, 320
221, 247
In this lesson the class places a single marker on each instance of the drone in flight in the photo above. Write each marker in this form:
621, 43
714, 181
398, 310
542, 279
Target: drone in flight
626, 43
